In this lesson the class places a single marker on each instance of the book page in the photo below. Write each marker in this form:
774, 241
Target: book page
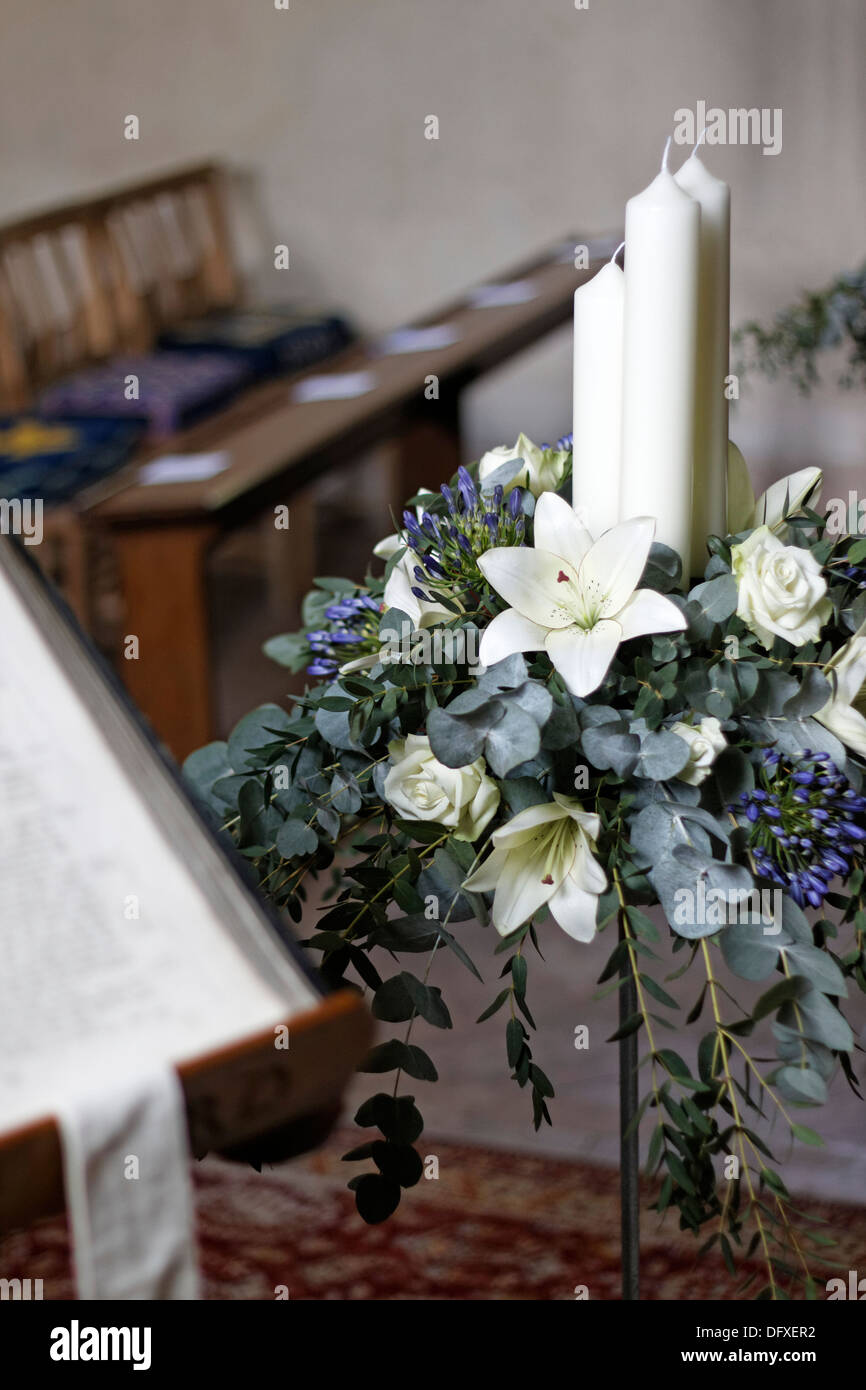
121, 925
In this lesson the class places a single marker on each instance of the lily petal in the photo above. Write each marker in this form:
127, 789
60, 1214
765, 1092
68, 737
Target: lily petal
360, 663
611, 570
582, 655
389, 546
486, 876
587, 820
510, 632
586, 871
558, 529
533, 582
848, 666
846, 723
646, 611
574, 909
521, 889
525, 823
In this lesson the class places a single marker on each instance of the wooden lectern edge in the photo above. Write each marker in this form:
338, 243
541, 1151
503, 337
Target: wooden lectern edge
234, 1094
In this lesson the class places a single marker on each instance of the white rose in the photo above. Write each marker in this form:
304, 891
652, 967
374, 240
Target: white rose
706, 742
544, 471
782, 591
419, 787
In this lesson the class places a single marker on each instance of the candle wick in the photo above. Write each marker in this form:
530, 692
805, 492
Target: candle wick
616, 253
698, 142
665, 155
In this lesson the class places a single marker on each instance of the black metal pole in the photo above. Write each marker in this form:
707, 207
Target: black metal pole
628, 1130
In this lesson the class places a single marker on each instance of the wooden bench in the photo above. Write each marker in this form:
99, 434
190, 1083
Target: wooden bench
162, 534
107, 275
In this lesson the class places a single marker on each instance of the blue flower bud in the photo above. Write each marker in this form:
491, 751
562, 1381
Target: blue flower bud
466, 488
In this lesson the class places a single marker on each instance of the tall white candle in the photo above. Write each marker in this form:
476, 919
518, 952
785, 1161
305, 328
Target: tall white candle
662, 231
709, 504
597, 399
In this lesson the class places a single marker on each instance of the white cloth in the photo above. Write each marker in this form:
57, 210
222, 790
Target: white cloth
128, 1188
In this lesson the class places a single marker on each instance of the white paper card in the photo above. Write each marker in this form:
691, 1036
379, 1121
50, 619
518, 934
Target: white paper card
437, 335
335, 386
183, 468
499, 296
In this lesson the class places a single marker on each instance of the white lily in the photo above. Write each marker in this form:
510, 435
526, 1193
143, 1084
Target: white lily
544, 855
845, 712
775, 505
574, 598
389, 545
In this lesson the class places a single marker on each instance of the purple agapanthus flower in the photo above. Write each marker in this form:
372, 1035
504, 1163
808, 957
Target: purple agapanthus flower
806, 824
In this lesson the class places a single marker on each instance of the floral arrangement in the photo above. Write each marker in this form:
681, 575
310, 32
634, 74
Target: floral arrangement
529, 726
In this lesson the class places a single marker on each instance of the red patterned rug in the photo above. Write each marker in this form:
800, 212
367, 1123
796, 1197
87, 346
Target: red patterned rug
493, 1225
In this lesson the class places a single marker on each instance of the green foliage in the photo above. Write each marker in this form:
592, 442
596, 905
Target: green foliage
833, 318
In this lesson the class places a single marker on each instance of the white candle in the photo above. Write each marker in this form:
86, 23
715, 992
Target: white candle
662, 230
709, 504
597, 400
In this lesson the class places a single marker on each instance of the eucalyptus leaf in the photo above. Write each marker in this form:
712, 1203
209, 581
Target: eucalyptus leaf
717, 598
296, 838
255, 731
662, 755
608, 746
290, 649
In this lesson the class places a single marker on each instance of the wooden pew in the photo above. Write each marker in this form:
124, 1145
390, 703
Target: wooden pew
163, 534
107, 275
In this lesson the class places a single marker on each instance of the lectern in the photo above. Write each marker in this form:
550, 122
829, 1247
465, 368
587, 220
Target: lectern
129, 931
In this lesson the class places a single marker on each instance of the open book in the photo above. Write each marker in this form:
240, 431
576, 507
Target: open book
127, 930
